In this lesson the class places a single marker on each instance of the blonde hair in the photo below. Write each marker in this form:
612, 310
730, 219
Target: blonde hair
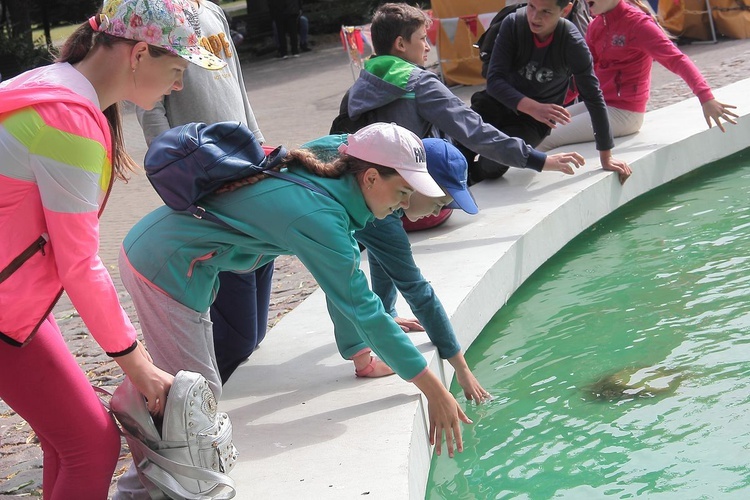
646, 8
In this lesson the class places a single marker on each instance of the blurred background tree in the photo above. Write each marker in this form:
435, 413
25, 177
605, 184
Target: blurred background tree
19, 51
325, 16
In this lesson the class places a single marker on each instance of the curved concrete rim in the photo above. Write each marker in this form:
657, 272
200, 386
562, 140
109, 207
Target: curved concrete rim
306, 427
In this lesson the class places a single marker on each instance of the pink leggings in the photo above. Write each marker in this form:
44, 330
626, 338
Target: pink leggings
43, 383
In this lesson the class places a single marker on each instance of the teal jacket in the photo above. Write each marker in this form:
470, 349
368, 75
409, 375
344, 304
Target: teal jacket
182, 255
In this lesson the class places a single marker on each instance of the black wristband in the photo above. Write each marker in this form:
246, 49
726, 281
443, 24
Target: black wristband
123, 353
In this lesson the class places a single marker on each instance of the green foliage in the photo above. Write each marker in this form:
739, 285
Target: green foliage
19, 54
327, 16
63, 11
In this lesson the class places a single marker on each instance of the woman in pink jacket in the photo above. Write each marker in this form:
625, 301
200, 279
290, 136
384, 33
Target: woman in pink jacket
60, 149
625, 39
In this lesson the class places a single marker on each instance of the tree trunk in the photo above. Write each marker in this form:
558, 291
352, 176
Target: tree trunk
20, 20
44, 5
17, 37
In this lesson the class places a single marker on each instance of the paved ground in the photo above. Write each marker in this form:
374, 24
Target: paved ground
294, 101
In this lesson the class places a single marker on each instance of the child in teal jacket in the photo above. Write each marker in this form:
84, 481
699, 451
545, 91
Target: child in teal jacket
392, 269
170, 260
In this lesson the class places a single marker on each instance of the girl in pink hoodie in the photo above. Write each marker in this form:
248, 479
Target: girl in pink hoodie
60, 149
625, 39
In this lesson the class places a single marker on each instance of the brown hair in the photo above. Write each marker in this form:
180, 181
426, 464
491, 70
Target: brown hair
392, 20
82, 41
345, 164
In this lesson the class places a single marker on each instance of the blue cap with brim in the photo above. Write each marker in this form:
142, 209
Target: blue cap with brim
448, 167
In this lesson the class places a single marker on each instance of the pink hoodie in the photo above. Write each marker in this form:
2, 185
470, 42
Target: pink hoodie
624, 42
55, 176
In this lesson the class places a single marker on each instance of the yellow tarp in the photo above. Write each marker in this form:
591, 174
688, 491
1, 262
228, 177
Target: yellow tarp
459, 61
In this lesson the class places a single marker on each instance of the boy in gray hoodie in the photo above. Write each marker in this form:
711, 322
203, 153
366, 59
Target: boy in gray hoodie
394, 87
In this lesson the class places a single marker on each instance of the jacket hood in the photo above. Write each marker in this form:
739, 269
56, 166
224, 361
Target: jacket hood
31, 93
344, 190
383, 80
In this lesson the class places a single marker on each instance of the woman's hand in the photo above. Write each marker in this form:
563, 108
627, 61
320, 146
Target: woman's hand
151, 381
563, 162
409, 324
444, 412
715, 110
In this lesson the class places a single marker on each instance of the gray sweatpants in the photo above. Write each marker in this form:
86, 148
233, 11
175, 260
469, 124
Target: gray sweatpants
579, 129
177, 338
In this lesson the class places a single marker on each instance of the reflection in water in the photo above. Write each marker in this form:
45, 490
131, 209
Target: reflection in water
621, 368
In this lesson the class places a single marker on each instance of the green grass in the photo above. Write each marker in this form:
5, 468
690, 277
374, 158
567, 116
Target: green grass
61, 33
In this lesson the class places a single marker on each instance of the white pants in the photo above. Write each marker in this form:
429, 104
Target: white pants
579, 129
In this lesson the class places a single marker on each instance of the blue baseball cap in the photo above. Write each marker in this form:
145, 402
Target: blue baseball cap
448, 167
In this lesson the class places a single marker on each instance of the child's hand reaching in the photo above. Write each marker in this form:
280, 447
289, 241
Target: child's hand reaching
716, 111
473, 390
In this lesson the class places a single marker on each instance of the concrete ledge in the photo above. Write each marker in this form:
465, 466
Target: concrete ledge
306, 427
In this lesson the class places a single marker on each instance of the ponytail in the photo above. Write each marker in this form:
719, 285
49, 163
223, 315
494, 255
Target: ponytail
77, 45
307, 159
75, 49
345, 164
644, 7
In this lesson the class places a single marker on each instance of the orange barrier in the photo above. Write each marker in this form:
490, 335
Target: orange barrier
686, 18
732, 17
459, 24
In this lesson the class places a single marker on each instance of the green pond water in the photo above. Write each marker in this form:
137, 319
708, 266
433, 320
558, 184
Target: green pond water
621, 368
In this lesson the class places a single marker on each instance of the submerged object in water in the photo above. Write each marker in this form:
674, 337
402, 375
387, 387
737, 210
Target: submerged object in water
636, 382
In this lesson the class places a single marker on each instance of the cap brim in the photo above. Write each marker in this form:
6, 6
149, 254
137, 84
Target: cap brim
464, 200
422, 183
200, 57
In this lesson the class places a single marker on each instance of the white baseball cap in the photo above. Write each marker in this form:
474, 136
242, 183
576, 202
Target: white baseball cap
393, 146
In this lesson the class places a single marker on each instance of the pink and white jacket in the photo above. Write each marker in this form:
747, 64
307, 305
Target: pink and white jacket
55, 176
624, 42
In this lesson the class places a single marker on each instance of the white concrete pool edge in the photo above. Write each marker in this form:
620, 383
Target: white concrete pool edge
305, 426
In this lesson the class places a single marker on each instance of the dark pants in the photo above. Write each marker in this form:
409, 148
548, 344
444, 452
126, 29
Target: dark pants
304, 29
287, 26
240, 316
511, 124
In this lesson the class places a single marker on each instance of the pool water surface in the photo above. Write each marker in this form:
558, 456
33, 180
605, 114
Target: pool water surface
621, 367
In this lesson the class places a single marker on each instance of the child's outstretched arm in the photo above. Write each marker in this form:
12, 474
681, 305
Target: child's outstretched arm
473, 390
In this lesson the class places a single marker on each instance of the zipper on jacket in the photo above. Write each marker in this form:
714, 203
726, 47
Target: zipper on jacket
199, 259
618, 82
257, 261
26, 254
